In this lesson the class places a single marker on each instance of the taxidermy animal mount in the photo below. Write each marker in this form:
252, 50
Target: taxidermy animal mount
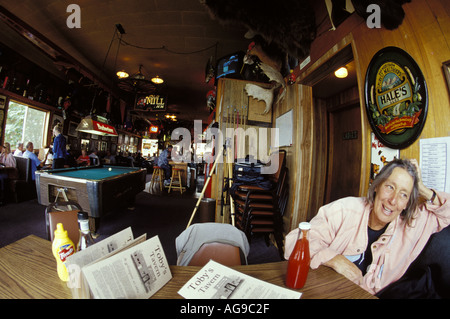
278, 85
290, 24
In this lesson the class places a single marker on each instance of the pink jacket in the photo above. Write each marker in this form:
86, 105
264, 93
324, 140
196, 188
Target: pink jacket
340, 228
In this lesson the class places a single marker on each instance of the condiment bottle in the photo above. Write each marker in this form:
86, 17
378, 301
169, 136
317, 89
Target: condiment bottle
86, 239
298, 265
62, 248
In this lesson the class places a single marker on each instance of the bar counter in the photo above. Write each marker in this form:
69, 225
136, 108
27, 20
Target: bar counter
28, 270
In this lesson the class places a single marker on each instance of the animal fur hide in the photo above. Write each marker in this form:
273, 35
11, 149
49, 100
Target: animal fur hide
290, 24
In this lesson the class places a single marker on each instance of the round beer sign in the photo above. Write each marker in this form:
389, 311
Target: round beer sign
396, 97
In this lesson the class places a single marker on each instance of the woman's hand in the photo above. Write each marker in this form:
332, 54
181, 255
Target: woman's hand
424, 191
346, 268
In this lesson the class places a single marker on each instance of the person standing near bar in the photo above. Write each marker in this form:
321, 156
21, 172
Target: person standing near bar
163, 162
59, 148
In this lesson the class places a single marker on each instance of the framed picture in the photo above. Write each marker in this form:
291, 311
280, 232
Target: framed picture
72, 129
57, 119
85, 145
2, 101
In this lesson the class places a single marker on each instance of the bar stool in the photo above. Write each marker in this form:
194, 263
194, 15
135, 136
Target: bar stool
158, 172
176, 173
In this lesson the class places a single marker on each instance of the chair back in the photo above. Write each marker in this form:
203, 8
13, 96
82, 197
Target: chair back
281, 164
201, 242
69, 220
224, 254
23, 165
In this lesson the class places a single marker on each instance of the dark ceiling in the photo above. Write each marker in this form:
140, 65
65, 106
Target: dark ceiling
171, 39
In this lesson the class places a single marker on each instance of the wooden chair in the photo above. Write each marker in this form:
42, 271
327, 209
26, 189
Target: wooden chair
178, 185
158, 173
224, 254
202, 242
65, 213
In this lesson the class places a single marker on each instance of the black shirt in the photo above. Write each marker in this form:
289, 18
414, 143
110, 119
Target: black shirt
365, 259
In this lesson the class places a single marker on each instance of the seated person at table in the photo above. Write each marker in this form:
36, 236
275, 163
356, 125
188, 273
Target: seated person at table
93, 157
35, 161
163, 162
6, 157
83, 159
109, 158
48, 161
19, 149
372, 241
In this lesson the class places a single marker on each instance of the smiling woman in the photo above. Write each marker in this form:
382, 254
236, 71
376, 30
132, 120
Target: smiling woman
372, 241
394, 192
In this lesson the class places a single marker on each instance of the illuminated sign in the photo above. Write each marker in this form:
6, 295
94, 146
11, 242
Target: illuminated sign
153, 129
152, 102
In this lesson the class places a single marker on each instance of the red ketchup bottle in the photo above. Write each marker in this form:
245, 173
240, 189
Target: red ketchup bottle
298, 265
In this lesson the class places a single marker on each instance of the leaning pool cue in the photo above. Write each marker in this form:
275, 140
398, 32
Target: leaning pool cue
204, 188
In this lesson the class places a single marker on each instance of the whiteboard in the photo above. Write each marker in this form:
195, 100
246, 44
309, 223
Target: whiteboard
284, 125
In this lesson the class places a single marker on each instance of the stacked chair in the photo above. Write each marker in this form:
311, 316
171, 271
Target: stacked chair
260, 211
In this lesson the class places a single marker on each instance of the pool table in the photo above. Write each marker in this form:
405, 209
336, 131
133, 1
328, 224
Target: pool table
97, 189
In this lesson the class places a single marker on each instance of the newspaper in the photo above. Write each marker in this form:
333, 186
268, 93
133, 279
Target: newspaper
119, 267
215, 281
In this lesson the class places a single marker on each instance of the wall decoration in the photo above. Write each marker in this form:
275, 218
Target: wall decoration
380, 156
72, 129
2, 101
56, 119
396, 98
284, 123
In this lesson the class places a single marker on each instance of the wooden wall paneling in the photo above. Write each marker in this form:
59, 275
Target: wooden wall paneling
304, 123
319, 158
425, 35
431, 25
422, 36
291, 102
231, 94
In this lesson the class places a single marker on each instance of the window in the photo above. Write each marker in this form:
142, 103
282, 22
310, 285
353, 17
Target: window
26, 124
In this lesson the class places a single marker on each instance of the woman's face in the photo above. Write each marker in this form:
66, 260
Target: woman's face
391, 198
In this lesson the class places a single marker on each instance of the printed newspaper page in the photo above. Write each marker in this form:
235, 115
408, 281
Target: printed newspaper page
101, 248
215, 281
137, 272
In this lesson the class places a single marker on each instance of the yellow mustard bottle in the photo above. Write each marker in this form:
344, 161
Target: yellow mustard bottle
62, 248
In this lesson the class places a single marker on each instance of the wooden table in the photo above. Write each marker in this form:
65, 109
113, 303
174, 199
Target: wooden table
28, 270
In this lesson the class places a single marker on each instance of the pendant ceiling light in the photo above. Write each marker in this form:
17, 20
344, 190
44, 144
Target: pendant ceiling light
137, 83
157, 80
97, 125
